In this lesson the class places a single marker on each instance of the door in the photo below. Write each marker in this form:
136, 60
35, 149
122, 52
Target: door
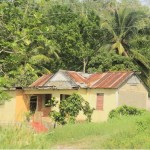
33, 103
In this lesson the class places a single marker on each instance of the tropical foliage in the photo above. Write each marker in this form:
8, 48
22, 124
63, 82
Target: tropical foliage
70, 108
40, 37
125, 111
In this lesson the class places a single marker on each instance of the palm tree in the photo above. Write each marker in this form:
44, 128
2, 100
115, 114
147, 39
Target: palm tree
122, 27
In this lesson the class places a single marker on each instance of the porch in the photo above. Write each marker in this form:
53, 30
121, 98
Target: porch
39, 104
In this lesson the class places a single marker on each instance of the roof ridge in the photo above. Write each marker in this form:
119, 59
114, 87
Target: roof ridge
109, 79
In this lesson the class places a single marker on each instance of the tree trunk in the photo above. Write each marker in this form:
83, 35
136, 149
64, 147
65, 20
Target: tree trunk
85, 61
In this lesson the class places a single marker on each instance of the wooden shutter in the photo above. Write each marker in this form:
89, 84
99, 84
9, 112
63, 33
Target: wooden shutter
100, 101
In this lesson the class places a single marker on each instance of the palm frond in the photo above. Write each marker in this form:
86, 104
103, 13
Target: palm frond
40, 58
119, 47
145, 62
109, 28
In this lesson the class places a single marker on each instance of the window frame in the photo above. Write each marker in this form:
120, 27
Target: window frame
100, 101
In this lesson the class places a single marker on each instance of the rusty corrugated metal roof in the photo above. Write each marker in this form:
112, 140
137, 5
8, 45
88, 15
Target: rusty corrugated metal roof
101, 80
41, 81
77, 77
111, 79
96, 80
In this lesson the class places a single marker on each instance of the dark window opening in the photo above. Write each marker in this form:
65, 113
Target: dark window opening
47, 100
33, 103
64, 96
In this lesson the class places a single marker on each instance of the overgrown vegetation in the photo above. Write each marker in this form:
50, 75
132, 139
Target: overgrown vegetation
125, 111
4, 96
72, 35
125, 133
70, 108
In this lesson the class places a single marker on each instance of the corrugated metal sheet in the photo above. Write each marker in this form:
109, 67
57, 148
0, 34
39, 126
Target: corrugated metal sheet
96, 80
111, 80
41, 81
76, 76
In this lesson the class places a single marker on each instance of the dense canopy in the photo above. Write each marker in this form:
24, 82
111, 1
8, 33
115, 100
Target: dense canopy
42, 36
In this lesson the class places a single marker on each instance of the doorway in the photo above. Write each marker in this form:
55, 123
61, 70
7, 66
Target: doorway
33, 103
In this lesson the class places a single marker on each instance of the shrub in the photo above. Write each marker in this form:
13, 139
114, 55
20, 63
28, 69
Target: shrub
70, 108
125, 111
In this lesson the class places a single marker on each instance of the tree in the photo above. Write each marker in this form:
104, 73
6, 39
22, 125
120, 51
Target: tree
70, 108
141, 44
104, 61
4, 96
75, 33
23, 24
123, 27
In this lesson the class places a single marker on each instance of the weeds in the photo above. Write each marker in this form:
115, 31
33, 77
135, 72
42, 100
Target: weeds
126, 132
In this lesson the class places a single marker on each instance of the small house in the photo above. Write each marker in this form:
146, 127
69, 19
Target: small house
103, 91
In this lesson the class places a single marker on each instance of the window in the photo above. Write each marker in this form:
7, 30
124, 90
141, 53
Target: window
100, 101
47, 99
63, 96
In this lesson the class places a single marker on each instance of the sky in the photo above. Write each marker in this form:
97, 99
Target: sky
145, 2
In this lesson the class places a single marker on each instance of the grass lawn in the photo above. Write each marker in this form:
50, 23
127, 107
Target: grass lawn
127, 132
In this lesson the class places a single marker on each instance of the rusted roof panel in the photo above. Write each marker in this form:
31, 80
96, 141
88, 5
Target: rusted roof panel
94, 77
82, 80
41, 81
112, 80
77, 77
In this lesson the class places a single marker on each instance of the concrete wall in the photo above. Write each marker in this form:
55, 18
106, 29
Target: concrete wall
109, 103
7, 110
110, 100
22, 105
133, 93
56, 94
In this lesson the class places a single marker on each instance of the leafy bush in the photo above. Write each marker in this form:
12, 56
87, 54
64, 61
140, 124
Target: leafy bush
125, 111
70, 108
52, 102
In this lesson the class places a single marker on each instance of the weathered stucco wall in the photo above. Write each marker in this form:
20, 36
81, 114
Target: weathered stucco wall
7, 110
22, 105
56, 93
133, 93
110, 100
109, 103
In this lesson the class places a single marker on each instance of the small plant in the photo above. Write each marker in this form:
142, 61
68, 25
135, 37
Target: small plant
88, 111
125, 111
28, 115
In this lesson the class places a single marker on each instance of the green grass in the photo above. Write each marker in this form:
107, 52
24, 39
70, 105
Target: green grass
127, 132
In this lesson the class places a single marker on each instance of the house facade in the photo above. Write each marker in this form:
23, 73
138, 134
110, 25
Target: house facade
103, 91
